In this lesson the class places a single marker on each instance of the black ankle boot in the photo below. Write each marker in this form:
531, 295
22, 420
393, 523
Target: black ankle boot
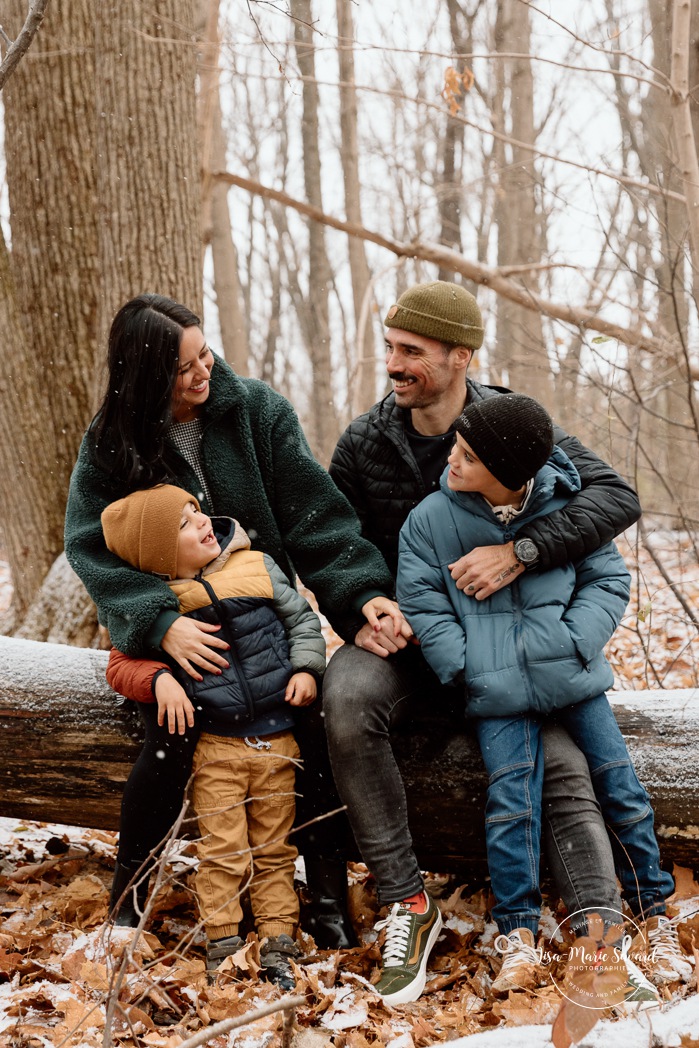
326, 917
127, 913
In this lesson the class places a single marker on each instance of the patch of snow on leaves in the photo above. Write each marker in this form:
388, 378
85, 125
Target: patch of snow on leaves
667, 1026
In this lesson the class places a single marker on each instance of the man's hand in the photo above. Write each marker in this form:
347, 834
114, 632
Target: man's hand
301, 690
485, 570
384, 641
173, 704
190, 644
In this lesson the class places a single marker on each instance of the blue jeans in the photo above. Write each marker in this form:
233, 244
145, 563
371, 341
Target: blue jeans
512, 752
367, 698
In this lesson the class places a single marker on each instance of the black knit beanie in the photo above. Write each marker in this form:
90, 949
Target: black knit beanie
511, 434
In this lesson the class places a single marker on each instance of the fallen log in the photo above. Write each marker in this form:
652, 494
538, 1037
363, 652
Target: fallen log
67, 743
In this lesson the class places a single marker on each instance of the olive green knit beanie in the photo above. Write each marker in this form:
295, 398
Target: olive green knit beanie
439, 310
144, 528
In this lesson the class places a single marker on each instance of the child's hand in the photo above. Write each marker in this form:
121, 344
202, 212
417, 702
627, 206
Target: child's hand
384, 606
301, 690
173, 703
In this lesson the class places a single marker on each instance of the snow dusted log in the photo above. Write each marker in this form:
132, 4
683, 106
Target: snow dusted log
67, 744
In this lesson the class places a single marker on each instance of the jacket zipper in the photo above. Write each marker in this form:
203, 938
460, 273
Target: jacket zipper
232, 652
519, 640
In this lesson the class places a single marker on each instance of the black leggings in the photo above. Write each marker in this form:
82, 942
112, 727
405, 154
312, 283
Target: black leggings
154, 791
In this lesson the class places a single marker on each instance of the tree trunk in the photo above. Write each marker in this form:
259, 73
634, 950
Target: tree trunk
520, 353
25, 526
67, 745
216, 219
44, 391
103, 183
149, 194
664, 391
324, 429
362, 392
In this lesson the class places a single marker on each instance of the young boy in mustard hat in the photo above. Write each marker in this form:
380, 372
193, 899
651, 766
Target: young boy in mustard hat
244, 762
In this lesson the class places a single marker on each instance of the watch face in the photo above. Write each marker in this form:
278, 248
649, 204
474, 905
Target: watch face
526, 551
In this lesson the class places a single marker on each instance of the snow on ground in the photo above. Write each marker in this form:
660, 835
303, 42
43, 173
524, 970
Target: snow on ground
667, 1027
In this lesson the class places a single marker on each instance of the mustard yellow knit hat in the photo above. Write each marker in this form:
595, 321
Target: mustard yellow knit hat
143, 528
440, 310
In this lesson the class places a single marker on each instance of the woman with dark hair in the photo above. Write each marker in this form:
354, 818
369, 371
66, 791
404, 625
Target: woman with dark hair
174, 413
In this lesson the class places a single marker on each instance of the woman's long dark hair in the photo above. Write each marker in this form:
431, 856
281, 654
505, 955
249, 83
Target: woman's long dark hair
129, 429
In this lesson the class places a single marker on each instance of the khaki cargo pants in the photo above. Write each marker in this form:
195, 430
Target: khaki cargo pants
245, 804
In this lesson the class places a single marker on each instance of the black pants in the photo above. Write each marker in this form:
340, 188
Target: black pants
154, 791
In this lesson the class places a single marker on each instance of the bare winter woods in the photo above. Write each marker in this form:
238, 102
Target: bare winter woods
293, 170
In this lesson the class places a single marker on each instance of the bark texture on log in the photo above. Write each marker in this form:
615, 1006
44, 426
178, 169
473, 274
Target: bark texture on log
67, 744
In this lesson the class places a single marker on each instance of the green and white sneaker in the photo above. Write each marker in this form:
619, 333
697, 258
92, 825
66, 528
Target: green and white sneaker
639, 993
409, 940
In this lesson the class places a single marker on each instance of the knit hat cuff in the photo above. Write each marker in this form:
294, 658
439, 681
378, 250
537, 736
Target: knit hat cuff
434, 327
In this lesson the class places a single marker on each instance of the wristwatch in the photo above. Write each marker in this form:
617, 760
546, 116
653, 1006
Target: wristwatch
526, 552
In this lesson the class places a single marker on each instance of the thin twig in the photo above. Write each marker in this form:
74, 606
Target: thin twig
204, 1036
19, 48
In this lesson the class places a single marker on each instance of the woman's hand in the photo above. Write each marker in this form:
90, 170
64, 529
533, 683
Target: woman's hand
386, 635
173, 703
190, 644
301, 690
383, 606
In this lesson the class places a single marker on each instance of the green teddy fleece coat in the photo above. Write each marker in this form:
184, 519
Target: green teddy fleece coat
259, 470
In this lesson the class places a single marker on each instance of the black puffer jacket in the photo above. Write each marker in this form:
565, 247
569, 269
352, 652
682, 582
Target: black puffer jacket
271, 629
374, 467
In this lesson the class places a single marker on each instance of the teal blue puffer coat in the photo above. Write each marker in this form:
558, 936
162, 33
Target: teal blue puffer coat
535, 645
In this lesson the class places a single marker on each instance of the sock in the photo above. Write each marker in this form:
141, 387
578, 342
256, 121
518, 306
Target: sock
416, 903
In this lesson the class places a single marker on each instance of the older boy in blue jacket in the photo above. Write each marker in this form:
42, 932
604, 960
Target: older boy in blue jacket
531, 649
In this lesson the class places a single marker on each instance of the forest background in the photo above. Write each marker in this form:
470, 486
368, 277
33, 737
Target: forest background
289, 168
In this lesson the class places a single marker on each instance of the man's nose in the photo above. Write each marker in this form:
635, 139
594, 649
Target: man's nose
393, 360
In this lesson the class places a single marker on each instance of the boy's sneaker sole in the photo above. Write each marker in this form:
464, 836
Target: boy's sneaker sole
403, 983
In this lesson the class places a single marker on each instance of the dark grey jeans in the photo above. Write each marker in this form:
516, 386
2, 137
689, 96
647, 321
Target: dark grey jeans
366, 697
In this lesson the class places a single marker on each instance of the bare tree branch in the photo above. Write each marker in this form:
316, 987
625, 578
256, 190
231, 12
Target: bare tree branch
19, 48
204, 1036
487, 276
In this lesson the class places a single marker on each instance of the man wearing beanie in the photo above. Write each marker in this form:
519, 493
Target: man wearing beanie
386, 462
531, 649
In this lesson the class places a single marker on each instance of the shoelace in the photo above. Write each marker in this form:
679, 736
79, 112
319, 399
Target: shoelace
636, 977
397, 927
516, 952
664, 941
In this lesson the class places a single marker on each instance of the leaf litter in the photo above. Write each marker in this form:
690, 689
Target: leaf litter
60, 961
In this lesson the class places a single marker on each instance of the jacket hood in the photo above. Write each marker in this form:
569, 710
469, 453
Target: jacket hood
558, 477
